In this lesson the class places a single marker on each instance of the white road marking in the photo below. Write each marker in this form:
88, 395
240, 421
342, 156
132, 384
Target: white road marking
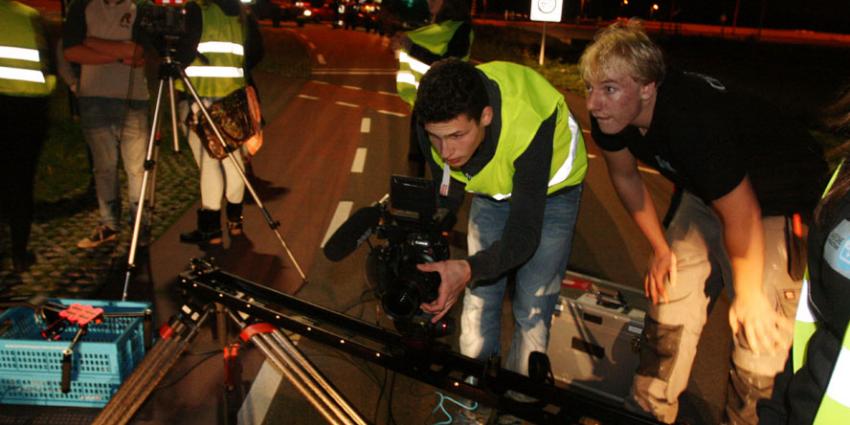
321, 59
386, 93
350, 105
585, 131
365, 125
308, 97
343, 210
353, 71
319, 82
256, 405
591, 156
359, 161
395, 114
648, 170
351, 87
312, 46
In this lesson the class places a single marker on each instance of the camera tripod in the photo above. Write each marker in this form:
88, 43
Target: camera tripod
169, 71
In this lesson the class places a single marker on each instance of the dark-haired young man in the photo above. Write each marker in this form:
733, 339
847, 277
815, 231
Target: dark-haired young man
742, 168
501, 132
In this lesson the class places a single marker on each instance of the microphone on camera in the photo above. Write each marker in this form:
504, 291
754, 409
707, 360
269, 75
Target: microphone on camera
354, 231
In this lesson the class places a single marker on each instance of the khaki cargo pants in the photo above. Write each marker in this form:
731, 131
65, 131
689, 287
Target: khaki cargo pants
672, 330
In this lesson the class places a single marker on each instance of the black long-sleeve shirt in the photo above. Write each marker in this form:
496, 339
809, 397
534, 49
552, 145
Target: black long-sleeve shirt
523, 229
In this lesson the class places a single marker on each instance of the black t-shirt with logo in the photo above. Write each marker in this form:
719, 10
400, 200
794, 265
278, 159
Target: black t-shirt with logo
706, 139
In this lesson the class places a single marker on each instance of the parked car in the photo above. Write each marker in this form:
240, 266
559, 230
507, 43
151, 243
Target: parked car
364, 14
275, 10
315, 12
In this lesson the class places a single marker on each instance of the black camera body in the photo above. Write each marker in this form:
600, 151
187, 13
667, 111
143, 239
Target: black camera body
163, 20
415, 233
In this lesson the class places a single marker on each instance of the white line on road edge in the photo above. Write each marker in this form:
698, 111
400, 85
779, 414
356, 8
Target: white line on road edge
321, 59
351, 87
648, 170
256, 405
395, 114
386, 93
365, 125
359, 161
350, 105
308, 97
336, 71
343, 210
312, 46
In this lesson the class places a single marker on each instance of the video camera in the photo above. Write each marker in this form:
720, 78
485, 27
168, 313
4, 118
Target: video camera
414, 231
165, 18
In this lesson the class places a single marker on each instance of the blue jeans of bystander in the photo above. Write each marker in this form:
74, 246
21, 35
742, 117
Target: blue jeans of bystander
115, 128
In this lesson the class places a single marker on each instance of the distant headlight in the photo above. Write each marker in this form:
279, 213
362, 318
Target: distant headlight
308, 12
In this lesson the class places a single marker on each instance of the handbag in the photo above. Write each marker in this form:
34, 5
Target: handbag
232, 115
255, 142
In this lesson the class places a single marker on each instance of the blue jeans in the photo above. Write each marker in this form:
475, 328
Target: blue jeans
538, 281
113, 128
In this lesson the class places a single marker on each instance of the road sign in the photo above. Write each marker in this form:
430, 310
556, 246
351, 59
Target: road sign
546, 10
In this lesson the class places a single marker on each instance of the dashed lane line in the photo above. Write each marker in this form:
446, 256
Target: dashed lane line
351, 87
321, 59
395, 114
359, 162
343, 210
350, 105
365, 125
308, 97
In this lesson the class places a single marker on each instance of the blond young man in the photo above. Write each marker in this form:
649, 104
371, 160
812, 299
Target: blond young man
741, 170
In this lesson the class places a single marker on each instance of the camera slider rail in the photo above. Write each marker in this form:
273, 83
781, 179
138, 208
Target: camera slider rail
428, 361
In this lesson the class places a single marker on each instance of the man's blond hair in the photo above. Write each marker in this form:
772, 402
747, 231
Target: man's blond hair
623, 47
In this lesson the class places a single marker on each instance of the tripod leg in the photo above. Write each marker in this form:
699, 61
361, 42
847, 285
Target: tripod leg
241, 169
149, 166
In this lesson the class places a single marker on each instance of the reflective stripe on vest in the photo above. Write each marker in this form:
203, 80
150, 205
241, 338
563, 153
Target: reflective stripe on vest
804, 326
527, 100
221, 44
835, 405
435, 38
21, 69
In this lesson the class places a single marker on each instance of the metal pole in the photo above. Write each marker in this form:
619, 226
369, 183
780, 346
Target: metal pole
540, 60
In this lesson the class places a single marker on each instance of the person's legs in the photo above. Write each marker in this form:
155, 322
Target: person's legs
234, 185
21, 123
672, 330
751, 376
100, 130
482, 306
538, 282
133, 147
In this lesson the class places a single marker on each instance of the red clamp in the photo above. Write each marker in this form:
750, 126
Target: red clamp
256, 328
82, 315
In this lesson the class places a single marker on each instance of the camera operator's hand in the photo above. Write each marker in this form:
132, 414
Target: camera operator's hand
454, 275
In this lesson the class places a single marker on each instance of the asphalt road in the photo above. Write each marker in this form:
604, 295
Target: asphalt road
332, 142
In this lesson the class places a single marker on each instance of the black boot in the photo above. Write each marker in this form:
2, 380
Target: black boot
209, 229
234, 219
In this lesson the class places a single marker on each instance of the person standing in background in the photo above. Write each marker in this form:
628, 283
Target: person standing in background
25, 87
222, 45
104, 37
449, 35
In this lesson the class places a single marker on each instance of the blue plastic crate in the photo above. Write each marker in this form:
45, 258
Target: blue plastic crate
31, 367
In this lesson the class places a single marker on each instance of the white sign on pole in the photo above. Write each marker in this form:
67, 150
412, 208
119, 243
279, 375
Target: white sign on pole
546, 10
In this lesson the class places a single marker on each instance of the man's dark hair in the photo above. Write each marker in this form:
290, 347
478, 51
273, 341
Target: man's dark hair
449, 89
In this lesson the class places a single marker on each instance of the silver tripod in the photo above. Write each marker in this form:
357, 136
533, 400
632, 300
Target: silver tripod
170, 70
